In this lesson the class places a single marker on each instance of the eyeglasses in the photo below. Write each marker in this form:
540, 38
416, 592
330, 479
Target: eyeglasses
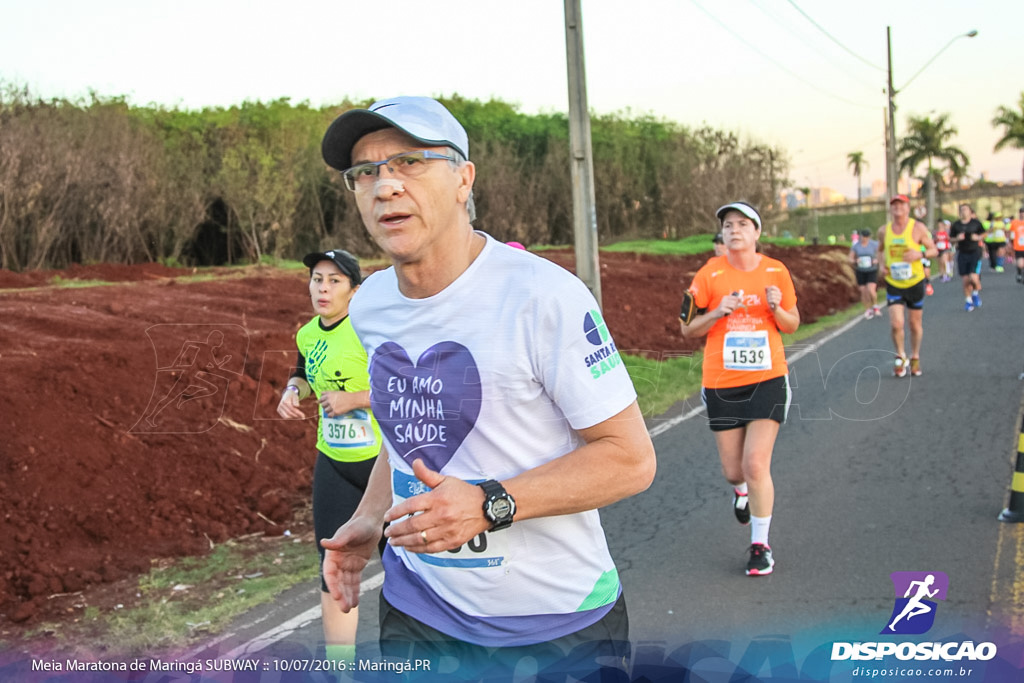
362, 177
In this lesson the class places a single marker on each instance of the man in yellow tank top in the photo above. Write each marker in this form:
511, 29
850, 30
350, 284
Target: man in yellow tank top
902, 244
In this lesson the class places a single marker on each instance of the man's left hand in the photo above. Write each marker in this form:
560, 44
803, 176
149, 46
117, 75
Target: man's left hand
445, 517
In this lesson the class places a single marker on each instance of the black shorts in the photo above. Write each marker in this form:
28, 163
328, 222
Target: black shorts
866, 277
967, 262
601, 647
337, 489
912, 297
1018, 254
735, 407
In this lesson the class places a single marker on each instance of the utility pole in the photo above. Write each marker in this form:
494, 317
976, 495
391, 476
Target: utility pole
891, 174
584, 210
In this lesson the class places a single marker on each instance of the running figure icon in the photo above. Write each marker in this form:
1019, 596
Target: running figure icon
915, 606
196, 362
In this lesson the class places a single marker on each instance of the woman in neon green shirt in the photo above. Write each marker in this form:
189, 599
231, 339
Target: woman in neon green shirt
332, 365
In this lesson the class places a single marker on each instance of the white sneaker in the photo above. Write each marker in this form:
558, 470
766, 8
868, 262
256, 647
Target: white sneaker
869, 314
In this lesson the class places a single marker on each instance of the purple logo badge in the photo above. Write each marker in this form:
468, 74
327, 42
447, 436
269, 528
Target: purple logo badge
427, 408
914, 610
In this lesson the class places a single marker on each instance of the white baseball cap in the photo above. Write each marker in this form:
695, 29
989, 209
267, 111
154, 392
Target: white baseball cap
744, 208
422, 118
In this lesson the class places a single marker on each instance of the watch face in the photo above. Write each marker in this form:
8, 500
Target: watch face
501, 508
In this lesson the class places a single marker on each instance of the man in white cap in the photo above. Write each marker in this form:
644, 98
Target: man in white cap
506, 412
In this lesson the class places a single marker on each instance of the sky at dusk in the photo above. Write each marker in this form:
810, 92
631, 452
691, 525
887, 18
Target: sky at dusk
805, 76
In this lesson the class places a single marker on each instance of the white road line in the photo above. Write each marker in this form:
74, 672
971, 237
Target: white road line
295, 623
313, 613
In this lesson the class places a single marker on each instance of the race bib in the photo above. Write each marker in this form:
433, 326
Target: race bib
864, 262
351, 430
483, 551
488, 549
900, 271
747, 351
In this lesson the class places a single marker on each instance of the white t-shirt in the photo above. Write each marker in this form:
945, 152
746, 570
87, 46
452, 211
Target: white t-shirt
485, 380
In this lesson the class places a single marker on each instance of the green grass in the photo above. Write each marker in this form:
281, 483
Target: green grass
190, 598
839, 225
58, 281
694, 244
660, 384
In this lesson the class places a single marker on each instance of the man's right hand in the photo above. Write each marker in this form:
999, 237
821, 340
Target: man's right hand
348, 553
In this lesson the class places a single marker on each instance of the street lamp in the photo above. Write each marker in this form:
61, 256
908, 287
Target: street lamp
892, 174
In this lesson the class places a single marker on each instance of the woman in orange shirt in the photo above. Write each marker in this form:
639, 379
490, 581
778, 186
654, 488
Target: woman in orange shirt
743, 301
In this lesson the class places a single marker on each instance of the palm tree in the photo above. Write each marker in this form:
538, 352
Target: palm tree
1013, 127
928, 141
857, 162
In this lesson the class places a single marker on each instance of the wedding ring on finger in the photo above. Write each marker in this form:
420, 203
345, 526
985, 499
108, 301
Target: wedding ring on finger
423, 535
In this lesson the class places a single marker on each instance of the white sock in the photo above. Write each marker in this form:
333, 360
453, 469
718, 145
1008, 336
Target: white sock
759, 529
741, 489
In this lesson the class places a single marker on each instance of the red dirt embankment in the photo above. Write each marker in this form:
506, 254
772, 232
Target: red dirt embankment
138, 420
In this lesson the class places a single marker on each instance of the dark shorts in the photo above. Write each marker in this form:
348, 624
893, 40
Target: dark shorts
866, 277
967, 262
337, 489
1018, 254
912, 297
735, 407
593, 653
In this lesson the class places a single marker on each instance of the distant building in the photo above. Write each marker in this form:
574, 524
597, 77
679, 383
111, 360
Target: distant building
822, 196
907, 186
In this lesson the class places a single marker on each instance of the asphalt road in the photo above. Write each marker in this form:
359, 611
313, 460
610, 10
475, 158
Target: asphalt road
873, 475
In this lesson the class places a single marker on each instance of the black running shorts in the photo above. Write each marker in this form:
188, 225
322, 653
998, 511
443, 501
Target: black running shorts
967, 262
912, 297
598, 652
866, 277
734, 407
337, 489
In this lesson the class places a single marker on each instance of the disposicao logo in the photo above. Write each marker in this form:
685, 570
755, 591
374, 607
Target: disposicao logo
914, 610
913, 613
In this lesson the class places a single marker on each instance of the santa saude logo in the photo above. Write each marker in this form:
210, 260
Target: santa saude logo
606, 357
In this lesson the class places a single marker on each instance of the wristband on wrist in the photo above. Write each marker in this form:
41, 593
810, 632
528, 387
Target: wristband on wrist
292, 387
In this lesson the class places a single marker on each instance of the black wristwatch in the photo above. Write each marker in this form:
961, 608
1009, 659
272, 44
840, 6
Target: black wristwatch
499, 506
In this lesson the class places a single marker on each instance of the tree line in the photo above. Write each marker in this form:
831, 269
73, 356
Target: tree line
928, 143
103, 181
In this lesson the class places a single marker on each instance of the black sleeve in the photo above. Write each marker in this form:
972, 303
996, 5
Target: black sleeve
300, 367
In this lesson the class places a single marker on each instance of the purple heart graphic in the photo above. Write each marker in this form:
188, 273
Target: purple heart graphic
428, 408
